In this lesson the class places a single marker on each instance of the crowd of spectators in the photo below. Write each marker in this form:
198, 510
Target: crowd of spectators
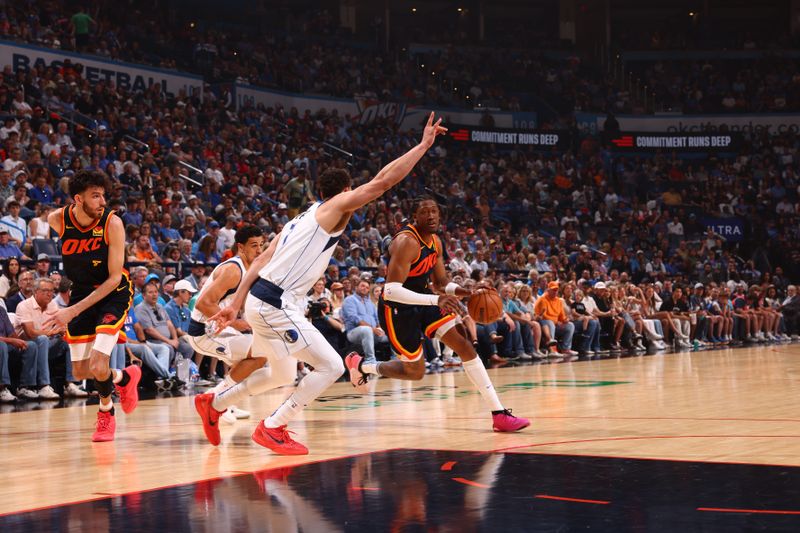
317, 58
770, 84
699, 32
518, 218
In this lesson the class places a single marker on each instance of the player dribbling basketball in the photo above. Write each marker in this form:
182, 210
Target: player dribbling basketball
408, 309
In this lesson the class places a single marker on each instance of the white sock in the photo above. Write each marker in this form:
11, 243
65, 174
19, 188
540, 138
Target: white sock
105, 407
306, 392
280, 372
116, 375
477, 374
370, 368
260, 381
287, 410
226, 383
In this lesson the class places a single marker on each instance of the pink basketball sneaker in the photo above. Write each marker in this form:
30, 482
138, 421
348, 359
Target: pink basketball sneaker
504, 421
358, 379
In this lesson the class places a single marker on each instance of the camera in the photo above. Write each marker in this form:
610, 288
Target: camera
316, 310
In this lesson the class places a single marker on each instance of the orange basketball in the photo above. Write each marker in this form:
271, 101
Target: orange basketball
485, 306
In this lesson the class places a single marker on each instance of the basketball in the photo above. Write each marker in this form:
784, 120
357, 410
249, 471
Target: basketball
485, 306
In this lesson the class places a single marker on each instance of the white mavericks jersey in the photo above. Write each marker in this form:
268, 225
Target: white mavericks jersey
301, 257
227, 297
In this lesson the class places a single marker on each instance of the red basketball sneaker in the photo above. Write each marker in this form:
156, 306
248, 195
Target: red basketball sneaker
358, 378
209, 416
504, 421
129, 394
106, 425
278, 440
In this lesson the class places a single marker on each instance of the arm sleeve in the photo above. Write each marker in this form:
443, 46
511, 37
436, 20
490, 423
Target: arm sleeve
395, 292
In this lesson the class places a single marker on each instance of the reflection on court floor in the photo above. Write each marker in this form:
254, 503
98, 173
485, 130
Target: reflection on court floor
432, 490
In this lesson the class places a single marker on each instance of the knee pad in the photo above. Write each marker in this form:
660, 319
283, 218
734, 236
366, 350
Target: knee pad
105, 387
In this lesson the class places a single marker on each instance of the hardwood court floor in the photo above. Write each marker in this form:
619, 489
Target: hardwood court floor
726, 406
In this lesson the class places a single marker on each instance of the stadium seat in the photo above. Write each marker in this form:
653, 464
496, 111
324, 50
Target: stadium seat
49, 247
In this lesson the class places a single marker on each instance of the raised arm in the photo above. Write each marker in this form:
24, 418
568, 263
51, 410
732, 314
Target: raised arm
330, 213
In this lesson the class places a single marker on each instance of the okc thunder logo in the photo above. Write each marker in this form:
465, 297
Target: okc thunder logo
291, 336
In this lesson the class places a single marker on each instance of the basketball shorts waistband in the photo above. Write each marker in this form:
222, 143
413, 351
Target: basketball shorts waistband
196, 329
267, 292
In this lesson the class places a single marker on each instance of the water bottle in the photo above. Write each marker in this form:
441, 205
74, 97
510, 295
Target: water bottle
182, 367
194, 373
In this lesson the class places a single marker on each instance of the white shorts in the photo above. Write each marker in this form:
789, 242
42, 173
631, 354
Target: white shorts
230, 346
279, 332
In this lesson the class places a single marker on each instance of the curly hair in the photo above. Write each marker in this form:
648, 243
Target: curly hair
84, 179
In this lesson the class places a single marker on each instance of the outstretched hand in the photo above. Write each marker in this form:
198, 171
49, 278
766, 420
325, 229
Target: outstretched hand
224, 318
432, 130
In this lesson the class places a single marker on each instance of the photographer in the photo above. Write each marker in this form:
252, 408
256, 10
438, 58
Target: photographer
320, 313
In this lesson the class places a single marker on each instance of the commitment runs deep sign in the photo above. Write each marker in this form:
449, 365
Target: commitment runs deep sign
682, 142
518, 138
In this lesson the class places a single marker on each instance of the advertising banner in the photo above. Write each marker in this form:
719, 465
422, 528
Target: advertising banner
679, 142
123, 75
367, 110
772, 123
518, 138
731, 228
